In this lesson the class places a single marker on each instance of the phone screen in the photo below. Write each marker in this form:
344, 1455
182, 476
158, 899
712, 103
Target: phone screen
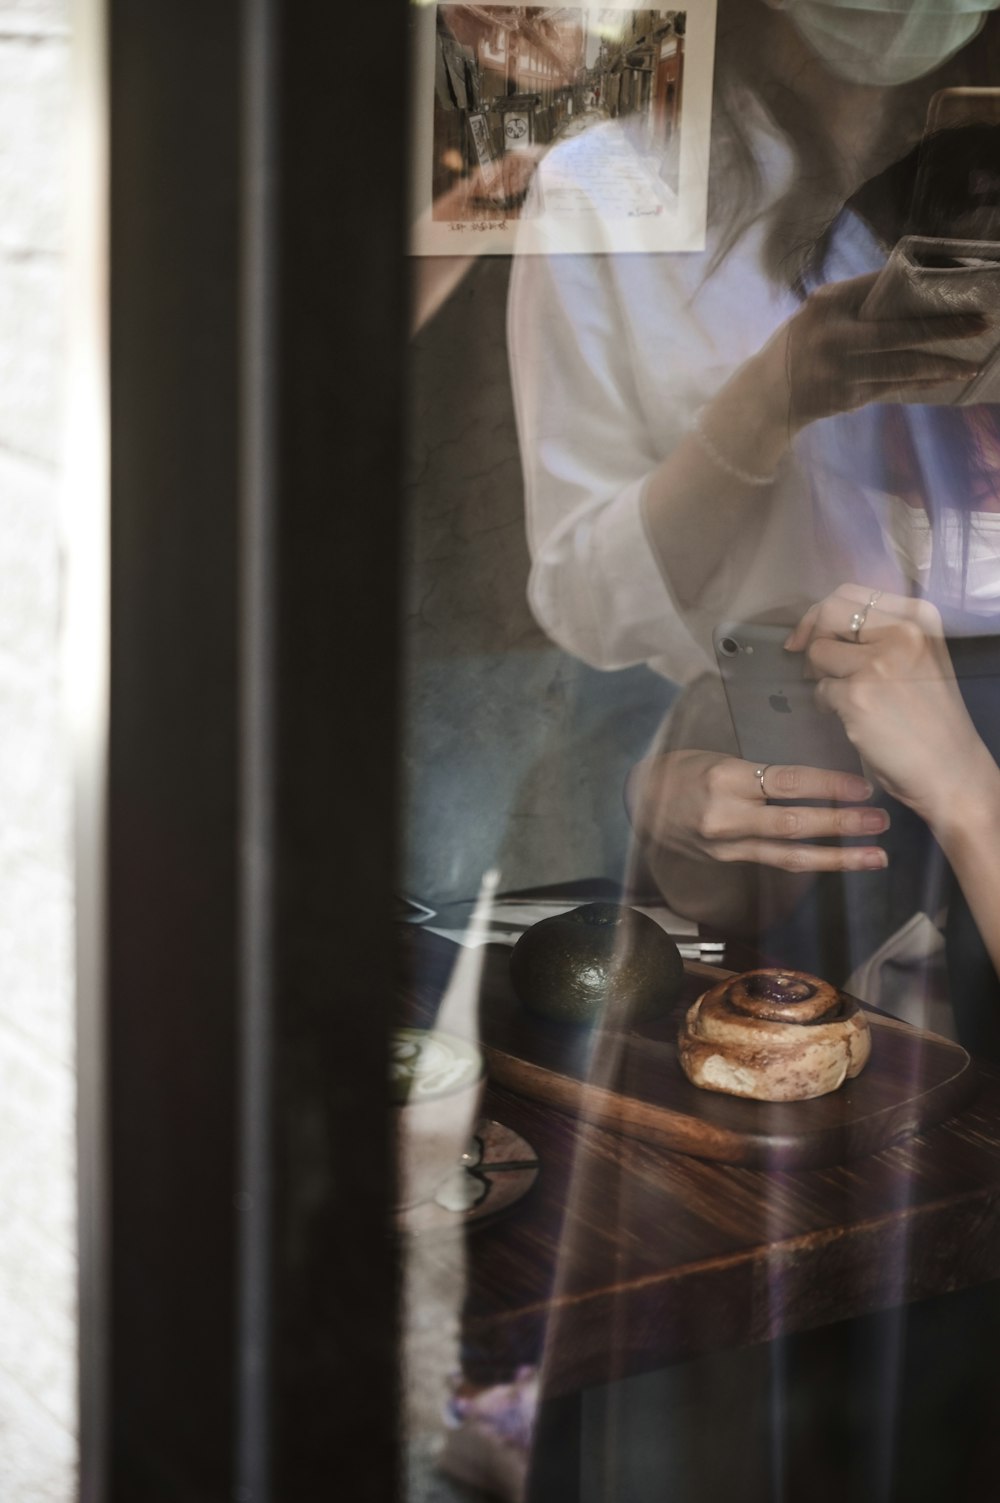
956, 192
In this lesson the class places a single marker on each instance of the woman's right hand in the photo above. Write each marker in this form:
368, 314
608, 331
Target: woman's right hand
709, 806
826, 359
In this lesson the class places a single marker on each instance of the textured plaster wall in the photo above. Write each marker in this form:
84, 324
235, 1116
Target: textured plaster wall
37, 1192
516, 754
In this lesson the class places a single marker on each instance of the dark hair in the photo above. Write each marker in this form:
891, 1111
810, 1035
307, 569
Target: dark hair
961, 473
935, 190
799, 226
798, 222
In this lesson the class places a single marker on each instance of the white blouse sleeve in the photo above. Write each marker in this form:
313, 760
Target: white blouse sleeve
586, 450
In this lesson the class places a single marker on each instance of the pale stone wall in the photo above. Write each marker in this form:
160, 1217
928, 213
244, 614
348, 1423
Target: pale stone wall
37, 1188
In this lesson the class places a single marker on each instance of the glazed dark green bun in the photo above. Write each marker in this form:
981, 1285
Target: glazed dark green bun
579, 966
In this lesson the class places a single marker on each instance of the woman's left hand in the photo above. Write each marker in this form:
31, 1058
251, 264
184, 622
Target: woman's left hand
881, 663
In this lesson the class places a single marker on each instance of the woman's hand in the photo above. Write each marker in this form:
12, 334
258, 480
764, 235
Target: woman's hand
828, 360
708, 806
893, 686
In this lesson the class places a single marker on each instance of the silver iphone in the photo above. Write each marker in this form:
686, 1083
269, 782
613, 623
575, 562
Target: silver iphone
772, 705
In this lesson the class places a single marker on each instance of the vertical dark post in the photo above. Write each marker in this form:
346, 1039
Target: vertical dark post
339, 332
256, 333
173, 797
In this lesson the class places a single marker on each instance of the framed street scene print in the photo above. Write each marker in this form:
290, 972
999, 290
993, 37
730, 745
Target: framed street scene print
560, 129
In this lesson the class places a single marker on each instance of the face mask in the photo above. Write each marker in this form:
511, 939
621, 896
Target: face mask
882, 45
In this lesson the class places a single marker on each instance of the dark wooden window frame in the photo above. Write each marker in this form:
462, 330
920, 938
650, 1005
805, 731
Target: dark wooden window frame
238, 1287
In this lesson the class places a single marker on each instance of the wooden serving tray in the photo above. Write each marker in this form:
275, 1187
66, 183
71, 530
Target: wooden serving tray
633, 1083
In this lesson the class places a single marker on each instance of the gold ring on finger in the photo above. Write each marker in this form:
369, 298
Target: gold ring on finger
759, 774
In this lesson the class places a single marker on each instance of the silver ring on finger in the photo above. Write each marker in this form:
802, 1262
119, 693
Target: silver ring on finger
759, 774
860, 617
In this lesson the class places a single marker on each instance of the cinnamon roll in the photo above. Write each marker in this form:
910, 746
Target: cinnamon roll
773, 1035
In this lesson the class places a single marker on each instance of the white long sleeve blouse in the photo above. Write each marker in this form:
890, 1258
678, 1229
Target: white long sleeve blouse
611, 356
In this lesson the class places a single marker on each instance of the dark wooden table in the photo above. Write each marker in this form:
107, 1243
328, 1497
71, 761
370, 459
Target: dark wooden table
625, 1257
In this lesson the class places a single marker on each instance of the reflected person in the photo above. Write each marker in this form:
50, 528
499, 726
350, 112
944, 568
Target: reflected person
722, 436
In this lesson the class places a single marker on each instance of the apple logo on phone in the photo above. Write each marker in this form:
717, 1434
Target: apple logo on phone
780, 703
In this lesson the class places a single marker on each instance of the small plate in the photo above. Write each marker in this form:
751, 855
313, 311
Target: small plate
497, 1170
